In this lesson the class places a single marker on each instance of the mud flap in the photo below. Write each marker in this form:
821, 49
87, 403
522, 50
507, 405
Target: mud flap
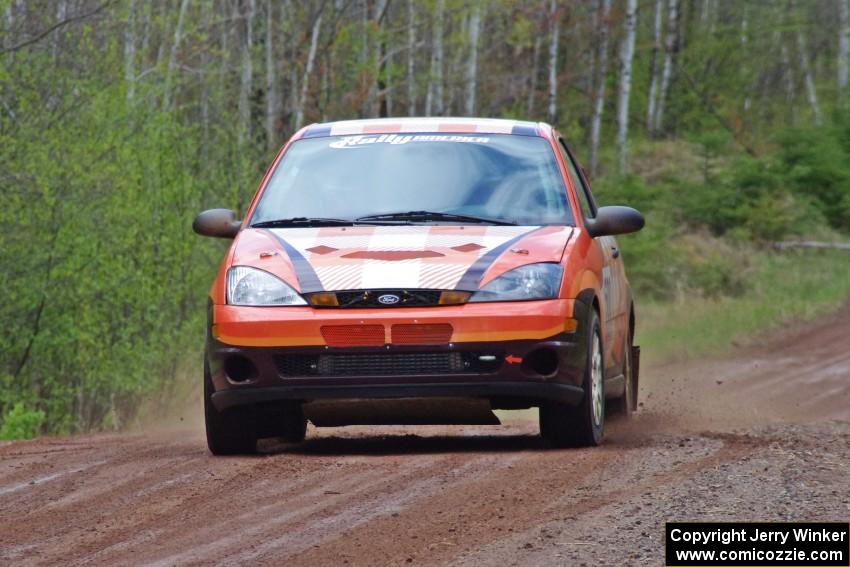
636, 371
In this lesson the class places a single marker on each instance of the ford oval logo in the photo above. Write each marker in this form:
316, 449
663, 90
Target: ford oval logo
388, 299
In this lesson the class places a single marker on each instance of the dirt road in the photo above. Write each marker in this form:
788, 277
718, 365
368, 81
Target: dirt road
762, 435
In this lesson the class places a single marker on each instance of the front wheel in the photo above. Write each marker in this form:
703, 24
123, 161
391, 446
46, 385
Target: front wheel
582, 425
231, 432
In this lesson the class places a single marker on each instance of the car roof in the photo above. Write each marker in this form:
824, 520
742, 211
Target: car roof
451, 125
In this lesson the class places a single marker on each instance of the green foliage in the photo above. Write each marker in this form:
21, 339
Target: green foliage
21, 422
816, 164
702, 229
781, 288
104, 282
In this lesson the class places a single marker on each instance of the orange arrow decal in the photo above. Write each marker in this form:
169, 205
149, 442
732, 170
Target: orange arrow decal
511, 359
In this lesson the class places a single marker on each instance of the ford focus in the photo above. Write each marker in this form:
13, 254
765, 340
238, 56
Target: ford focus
419, 271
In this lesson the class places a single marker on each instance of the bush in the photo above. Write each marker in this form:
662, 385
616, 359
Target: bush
21, 422
816, 164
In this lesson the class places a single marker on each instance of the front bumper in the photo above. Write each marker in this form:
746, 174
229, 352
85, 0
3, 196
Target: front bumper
472, 322
502, 395
531, 353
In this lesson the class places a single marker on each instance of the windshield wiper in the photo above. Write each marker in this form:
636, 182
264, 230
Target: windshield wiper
302, 221
433, 216
317, 221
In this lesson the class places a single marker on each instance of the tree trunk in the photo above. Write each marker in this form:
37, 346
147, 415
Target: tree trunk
604, 9
411, 59
130, 52
175, 49
387, 106
8, 25
671, 45
627, 51
246, 79
554, 29
788, 76
163, 22
434, 96
61, 14
745, 70
147, 16
708, 16
532, 80
224, 39
377, 88
308, 70
843, 46
472, 62
326, 86
272, 95
811, 93
653, 68
204, 87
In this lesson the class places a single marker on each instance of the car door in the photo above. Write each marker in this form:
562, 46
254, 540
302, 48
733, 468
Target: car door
614, 294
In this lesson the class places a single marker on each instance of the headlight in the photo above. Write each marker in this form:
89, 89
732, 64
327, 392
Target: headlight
250, 286
532, 281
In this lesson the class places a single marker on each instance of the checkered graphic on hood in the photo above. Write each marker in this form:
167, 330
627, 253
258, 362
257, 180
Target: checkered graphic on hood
404, 257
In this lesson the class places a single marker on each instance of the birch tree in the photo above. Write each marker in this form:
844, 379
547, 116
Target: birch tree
434, 95
175, 49
843, 46
554, 28
472, 62
788, 77
627, 51
411, 58
808, 81
745, 68
308, 71
653, 68
671, 45
272, 94
205, 59
604, 9
246, 77
532, 79
377, 90
130, 52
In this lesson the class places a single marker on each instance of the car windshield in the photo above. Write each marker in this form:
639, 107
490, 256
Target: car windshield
508, 178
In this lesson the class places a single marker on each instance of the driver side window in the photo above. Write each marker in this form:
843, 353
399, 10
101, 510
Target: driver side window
588, 207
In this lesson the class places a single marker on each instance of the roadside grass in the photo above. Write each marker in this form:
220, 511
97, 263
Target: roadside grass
782, 289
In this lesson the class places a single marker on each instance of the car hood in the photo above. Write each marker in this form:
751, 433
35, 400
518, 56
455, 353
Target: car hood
402, 257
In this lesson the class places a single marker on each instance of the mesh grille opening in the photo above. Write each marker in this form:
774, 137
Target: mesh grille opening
386, 364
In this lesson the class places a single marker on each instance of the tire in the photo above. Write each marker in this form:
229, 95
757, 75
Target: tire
232, 432
582, 425
625, 405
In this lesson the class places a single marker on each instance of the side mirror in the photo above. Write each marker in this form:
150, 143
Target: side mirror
217, 222
614, 220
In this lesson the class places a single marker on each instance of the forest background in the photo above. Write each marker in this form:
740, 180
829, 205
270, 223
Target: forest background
725, 122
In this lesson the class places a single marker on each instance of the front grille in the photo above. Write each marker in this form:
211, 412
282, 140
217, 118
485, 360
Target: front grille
424, 334
353, 335
406, 298
386, 364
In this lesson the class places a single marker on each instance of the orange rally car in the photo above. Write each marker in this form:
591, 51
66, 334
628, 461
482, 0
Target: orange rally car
419, 271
